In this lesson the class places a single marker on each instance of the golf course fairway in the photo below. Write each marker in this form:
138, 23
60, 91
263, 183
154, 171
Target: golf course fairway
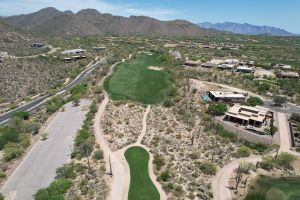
141, 186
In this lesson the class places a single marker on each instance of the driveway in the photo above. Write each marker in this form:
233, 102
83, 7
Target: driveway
38, 168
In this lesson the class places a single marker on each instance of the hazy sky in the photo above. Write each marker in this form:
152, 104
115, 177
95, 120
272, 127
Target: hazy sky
279, 13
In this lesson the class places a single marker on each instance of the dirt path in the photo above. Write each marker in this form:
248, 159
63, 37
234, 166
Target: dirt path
118, 173
220, 182
120, 180
52, 51
144, 124
120, 154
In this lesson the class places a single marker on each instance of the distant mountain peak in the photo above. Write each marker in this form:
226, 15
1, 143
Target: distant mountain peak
245, 28
91, 22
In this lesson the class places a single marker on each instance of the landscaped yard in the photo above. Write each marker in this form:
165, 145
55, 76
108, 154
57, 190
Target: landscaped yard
134, 81
141, 186
268, 188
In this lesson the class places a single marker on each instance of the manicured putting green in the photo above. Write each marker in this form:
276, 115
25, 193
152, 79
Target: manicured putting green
141, 186
134, 81
269, 188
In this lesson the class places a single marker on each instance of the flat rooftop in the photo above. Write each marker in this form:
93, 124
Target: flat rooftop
247, 113
220, 94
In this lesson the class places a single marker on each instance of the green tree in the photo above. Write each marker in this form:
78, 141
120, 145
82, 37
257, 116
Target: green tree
279, 100
254, 101
217, 109
8, 134
295, 117
86, 148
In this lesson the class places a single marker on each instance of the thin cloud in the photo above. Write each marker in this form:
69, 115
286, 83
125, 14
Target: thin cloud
9, 7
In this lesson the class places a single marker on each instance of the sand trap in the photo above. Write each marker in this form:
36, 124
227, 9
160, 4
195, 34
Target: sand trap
154, 68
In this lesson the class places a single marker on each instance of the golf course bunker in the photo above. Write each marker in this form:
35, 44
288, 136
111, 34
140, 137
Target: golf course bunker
141, 186
134, 81
269, 188
154, 68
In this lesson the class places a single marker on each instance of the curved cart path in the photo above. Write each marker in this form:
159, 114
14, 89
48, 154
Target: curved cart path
121, 155
118, 172
220, 182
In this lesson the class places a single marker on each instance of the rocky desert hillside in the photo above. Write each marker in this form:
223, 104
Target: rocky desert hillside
16, 42
91, 22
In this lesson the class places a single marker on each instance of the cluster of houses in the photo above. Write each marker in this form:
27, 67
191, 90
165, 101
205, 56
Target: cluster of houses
244, 66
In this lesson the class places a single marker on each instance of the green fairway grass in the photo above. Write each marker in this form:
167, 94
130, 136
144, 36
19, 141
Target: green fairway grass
269, 188
133, 81
141, 186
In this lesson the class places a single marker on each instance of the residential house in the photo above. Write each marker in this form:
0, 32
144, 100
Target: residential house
232, 61
282, 74
226, 67
282, 67
192, 63
38, 45
245, 69
73, 51
231, 97
247, 115
207, 65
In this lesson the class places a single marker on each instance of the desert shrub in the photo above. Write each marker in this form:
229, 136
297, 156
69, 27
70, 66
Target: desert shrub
260, 147
24, 140
79, 90
168, 103
2, 174
295, 117
158, 161
66, 171
22, 115
82, 135
8, 134
54, 104
55, 191
98, 155
285, 159
164, 176
31, 127
224, 133
208, 167
12, 151
243, 151
267, 162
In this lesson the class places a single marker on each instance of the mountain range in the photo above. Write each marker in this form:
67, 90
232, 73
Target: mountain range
246, 29
88, 22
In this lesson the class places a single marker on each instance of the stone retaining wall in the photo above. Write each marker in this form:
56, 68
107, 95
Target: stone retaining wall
243, 134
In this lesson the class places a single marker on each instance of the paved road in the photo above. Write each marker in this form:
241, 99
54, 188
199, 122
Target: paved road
37, 170
291, 108
35, 104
